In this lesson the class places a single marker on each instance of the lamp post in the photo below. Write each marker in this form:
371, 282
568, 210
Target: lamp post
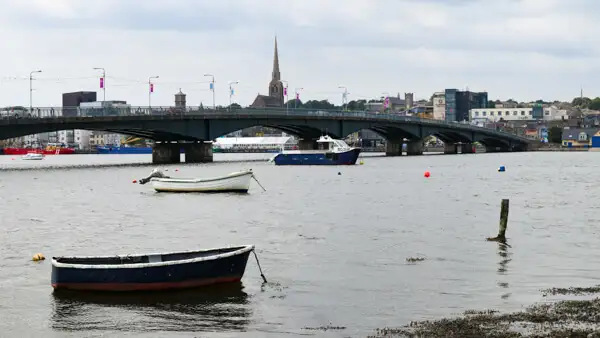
150, 91
31, 90
285, 94
344, 96
231, 83
102, 82
296, 90
212, 88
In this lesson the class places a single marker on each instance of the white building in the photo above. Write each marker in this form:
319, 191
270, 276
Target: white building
439, 106
515, 114
79, 138
249, 143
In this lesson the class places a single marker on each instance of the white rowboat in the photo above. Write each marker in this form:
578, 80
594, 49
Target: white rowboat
233, 182
32, 156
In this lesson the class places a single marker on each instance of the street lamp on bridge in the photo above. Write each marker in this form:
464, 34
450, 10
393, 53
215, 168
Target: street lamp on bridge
344, 96
231, 83
31, 90
102, 82
297, 91
212, 88
150, 91
285, 94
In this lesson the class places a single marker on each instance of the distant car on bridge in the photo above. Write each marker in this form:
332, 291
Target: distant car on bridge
14, 112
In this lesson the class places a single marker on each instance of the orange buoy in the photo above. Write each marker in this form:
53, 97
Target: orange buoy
427, 174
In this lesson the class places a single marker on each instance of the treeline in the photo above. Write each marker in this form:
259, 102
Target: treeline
586, 102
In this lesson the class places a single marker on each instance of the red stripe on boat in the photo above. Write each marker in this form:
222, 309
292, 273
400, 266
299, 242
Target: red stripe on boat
144, 286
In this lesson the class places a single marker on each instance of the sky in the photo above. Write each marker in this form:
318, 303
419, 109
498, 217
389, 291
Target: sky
520, 49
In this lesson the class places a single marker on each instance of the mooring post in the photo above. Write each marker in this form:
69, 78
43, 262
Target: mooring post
503, 219
503, 222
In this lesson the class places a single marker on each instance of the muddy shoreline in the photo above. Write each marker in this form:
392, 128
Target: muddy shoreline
560, 318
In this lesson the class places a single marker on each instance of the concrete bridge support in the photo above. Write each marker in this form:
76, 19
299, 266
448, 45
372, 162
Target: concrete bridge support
166, 153
496, 149
307, 144
393, 148
450, 148
467, 148
414, 148
200, 152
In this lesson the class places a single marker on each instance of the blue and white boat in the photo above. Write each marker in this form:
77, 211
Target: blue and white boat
331, 152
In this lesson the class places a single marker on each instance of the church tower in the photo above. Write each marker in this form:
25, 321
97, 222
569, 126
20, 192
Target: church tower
275, 86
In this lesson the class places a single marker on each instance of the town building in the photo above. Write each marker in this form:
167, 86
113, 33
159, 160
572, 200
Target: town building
254, 144
578, 137
439, 105
276, 90
538, 112
459, 103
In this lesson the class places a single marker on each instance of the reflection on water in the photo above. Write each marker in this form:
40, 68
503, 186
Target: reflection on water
503, 266
217, 308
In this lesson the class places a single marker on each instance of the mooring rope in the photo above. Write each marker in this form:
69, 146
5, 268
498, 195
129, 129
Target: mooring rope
259, 268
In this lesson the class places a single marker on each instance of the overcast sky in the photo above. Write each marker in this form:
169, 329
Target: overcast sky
521, 49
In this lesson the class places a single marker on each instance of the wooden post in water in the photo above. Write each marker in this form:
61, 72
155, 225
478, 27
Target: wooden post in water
503, 222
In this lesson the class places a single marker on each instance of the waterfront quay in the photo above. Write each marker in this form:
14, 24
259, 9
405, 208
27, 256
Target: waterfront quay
193, 129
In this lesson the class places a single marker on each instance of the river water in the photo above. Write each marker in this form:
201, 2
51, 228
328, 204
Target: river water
332, 241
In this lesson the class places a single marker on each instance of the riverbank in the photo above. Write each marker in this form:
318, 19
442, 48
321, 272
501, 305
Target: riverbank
574, 318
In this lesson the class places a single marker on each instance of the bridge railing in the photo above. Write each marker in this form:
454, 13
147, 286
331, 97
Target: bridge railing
85, 112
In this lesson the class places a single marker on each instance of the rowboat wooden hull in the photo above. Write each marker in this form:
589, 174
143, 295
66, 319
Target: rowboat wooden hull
151, 272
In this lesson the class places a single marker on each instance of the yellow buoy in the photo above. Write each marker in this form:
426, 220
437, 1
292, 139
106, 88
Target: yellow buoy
361, 162
38, 257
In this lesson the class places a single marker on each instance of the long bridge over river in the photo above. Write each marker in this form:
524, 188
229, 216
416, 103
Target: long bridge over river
194, 128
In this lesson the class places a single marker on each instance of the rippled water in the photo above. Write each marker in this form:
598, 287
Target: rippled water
333, 247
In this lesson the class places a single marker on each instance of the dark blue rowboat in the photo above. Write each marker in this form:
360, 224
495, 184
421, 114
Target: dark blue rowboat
174, 270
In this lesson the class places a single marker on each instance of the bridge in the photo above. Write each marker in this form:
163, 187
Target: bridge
194, 128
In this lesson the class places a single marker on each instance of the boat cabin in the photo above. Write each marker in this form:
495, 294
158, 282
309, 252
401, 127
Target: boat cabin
331, 144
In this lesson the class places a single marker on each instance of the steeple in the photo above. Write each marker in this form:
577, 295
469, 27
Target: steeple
276, 74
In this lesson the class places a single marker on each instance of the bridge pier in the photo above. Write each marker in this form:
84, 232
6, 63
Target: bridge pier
450, 148
467, 148
165, 153
414, 148
307, 144
200, 152
496, 149
393, 148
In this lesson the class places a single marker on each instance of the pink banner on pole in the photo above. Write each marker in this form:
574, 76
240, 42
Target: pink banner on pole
297, 96
152, 88
285, 91
101, 83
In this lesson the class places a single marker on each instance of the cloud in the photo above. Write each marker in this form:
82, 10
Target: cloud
525, 49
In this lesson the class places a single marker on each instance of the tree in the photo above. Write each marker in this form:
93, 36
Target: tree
594, 104
491, 104
356, 105
555, 134
582, 102
316, 104
294, 103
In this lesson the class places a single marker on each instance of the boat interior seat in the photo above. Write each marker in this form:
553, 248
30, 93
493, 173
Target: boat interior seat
154, 258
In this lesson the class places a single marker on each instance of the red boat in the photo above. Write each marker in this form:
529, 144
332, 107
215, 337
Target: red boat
50, 150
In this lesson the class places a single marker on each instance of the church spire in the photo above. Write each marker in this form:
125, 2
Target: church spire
276, 76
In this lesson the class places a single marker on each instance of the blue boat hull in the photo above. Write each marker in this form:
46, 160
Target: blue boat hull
144, 276
325, 158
